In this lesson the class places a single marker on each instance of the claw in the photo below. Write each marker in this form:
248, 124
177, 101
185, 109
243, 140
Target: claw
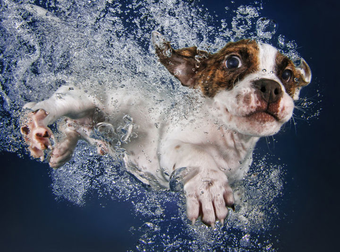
233, 207
25, 130
193, 221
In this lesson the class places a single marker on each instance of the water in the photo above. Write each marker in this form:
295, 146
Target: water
106, 44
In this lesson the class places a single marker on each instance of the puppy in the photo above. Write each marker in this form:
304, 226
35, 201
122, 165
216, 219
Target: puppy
247, 90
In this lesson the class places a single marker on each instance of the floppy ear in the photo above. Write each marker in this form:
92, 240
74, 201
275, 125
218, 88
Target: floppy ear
306, 73
182, 63
305, 77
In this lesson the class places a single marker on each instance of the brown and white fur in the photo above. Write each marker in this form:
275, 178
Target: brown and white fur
248, 91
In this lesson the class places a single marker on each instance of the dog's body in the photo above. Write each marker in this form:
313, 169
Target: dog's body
248, 91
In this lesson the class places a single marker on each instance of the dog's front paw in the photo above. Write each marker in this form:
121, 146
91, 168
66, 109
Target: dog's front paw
36, 134
208, 195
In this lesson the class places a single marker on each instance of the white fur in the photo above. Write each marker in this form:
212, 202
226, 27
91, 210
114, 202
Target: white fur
267, 58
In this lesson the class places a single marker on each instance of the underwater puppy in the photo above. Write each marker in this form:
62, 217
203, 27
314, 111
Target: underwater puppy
247, 90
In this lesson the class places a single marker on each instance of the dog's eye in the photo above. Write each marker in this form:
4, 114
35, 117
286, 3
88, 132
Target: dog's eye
233, 62
287, 74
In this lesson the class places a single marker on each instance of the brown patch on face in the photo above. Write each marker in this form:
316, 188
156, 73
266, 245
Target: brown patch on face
296, 80
213, 74
177, 147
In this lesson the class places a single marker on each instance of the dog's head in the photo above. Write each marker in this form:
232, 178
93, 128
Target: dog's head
252, 85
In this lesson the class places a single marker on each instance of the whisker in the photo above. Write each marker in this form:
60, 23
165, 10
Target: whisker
267, 142
299, 108
295, 117
294, 123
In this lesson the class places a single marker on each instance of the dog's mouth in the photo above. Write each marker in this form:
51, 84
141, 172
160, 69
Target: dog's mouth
262, 116
258, 122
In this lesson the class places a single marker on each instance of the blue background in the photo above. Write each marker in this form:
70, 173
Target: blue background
32, 220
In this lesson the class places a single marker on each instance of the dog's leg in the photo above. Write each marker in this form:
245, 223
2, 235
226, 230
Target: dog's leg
66, 101
63, 150
36, 134
208, 195
73, 130
206, 187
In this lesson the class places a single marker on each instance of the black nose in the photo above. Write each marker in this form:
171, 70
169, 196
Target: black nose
270, 90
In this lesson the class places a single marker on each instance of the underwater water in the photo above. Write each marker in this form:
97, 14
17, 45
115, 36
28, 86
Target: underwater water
106, 43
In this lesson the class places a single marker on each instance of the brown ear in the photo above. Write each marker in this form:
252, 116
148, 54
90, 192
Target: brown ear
306, 73
182, 63
305, 77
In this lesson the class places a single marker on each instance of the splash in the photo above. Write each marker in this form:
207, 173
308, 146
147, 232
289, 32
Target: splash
105, 44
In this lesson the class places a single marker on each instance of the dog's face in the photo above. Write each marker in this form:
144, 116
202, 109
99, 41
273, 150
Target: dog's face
252, 85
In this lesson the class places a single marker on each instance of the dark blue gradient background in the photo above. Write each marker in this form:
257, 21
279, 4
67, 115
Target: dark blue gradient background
32, 220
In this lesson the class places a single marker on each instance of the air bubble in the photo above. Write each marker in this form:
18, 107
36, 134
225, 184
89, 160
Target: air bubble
60, 96
167, 53
281, 41
291, 45
245, 242
265, 28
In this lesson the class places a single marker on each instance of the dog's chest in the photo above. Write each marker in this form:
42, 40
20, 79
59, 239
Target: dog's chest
161, 130
231, 151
